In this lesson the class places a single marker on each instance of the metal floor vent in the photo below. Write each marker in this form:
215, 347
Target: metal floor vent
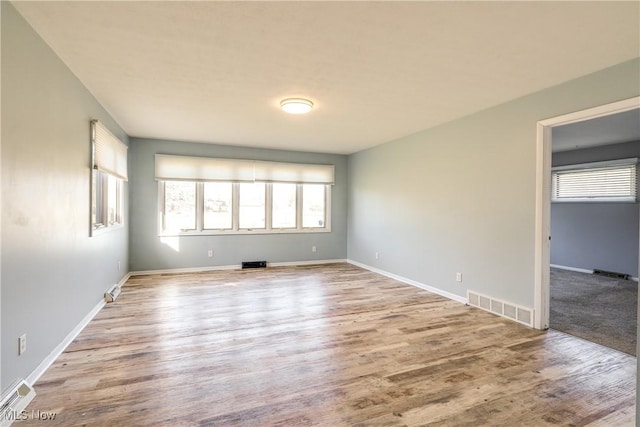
611, 274
254, 264
501, 308
14, 402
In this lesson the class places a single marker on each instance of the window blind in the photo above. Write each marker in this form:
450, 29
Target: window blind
109, 153
185, 168
294, 172
603, 181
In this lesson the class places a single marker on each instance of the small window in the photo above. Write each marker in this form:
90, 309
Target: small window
613, 181
313, 206
252, 205
179, 206
284, 205
218, 205
108, 174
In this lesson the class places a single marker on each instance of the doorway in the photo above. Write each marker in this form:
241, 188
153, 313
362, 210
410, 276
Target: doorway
594, 224
543, 197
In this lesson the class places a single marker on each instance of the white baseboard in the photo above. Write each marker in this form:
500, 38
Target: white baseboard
431, 289
580, 270
124, 279
233, 267
60, 348
301, 263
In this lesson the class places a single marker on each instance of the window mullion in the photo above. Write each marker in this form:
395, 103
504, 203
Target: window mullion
235, 206
268, 206
299, 206
161, 207
199, 206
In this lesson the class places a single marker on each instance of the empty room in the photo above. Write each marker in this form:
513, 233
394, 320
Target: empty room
301, 213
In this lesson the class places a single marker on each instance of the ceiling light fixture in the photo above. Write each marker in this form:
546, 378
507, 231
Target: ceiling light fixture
296, 105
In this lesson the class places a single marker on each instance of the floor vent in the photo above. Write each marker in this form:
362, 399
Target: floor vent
501, 308
611, 274
112, 294
14, 402
254, 264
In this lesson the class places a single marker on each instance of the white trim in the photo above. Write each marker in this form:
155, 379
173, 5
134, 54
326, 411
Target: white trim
232, 267
303, 263
124, 279
578, 270
543, 197
60, 348
431, 289
35, 375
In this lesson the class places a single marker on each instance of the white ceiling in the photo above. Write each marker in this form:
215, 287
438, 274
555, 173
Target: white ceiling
612, 129
216, 71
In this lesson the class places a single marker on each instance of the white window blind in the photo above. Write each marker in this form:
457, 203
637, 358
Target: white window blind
184, 168
602, 181
294, 172
109, 153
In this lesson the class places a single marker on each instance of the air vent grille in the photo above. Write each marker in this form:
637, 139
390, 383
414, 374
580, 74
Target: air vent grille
501, 308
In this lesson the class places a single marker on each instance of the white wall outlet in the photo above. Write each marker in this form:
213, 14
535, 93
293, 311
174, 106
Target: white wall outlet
22, 344
458, 277
119, 266
377, 255
314, 249
210, 253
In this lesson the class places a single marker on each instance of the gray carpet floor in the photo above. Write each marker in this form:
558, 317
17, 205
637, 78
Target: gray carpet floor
599, 309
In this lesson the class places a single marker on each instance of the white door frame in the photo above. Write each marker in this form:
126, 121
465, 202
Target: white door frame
543, 198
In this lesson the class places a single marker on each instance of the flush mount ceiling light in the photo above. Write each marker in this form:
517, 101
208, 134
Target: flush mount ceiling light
296, 105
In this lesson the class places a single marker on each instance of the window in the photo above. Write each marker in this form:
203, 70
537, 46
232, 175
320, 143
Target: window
218, 205
611, 181
109, 172
289, 213
284, 205
313, 211
180, 206
225, 196
252, 206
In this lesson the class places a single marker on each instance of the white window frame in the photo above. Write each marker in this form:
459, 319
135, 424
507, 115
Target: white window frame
108, 160
235, 230
594, 166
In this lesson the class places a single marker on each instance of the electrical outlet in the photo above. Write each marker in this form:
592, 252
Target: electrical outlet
377, 255
313, 249
210, 253
119, 265
22, 344
458, 277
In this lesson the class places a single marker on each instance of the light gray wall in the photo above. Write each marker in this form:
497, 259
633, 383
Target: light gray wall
148, 252
460, 197
596, 235
53, 273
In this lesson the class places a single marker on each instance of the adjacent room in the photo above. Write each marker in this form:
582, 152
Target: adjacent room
309, 213
594, 229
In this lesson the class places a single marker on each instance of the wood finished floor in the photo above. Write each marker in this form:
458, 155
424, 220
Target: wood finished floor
329, 345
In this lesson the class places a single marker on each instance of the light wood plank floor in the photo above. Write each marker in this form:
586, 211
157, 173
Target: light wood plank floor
329, 345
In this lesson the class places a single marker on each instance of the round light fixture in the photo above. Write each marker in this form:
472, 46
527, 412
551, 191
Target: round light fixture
296, 105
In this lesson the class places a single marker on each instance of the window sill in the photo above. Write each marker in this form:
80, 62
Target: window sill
104, 230
244, 232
